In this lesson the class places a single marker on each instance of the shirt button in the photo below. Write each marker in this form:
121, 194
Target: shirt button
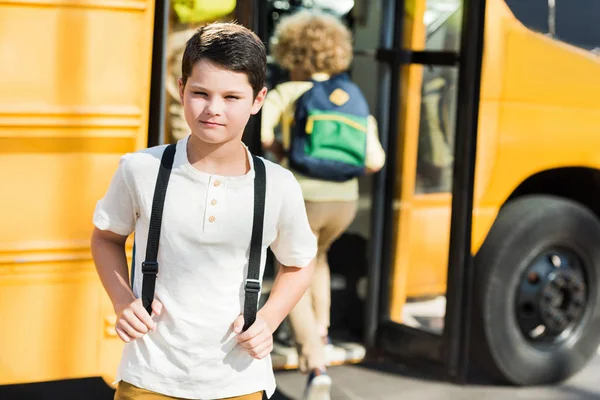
213, 202
217, 183
211, 219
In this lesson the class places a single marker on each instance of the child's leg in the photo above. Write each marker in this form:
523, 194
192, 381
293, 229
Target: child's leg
337, 217
311, 351
320, 290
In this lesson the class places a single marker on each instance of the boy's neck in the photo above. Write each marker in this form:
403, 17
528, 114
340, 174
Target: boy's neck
225, 159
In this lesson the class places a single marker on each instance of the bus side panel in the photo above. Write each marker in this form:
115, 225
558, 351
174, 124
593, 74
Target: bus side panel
549, 111
74, 95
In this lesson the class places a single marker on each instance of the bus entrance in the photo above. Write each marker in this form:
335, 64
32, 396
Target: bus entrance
391, 285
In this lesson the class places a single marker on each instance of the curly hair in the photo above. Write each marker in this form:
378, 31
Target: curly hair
312, 42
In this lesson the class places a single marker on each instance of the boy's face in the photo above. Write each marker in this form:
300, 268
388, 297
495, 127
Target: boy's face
217, 102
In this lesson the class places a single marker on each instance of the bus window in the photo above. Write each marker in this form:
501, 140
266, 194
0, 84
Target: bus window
435, 156
572, 22
438, 102
576, 23
532, 13
442, 20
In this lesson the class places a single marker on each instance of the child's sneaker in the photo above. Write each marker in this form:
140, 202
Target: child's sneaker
318, 386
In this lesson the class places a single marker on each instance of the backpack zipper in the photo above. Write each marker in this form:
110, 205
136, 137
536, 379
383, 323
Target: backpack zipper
340, 118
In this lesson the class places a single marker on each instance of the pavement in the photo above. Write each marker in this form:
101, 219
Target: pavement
367, 381
390, 381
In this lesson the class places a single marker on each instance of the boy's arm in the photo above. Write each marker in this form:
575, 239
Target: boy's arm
272, 109
375, 154
276, 103
289, 286
114, 220
108, 252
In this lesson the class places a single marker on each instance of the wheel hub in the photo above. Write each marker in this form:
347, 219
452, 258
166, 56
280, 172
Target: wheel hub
552, 296
562, 299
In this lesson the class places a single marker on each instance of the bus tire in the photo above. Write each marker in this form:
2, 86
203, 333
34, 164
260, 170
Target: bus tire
539, 264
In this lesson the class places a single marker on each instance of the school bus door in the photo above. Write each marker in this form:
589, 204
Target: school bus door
430, 56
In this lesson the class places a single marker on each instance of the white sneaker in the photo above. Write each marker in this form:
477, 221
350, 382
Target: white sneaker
318, 386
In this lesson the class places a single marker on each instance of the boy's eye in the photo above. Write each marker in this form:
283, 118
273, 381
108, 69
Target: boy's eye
232, 97
200, 93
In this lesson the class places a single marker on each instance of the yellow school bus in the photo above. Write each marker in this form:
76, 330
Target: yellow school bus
76, 88
74, 94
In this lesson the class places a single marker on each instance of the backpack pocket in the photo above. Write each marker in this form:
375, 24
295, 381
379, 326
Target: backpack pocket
336, 136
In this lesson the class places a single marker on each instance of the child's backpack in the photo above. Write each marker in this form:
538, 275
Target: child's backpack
329, 134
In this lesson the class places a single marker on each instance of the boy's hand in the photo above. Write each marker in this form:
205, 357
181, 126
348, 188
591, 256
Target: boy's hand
257, 340
133, 321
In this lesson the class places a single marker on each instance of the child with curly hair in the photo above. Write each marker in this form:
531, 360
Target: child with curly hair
315, 47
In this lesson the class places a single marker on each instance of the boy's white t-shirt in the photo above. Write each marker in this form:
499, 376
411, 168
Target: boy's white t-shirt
203, 261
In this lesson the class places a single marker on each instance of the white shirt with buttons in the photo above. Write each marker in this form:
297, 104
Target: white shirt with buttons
203, 260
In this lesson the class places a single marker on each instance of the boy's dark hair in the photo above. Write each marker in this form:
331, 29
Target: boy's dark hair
231, 46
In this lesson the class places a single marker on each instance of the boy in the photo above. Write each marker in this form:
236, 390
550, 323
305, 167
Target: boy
192, 346
316, 47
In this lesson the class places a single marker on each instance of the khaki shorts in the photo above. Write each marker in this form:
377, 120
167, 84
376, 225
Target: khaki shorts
126, 391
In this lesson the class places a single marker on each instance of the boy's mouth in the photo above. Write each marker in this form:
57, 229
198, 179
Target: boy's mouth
211, 123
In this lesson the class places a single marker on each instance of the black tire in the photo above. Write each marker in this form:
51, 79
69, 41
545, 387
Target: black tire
524, 229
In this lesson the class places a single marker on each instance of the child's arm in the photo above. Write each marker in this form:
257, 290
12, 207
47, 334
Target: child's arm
289, 286
278, 100
114, 220
272, 109
375, 153
108, 252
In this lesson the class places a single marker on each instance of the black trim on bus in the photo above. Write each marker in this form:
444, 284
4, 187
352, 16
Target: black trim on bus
402, 56
157, 108
460, 259
382, 194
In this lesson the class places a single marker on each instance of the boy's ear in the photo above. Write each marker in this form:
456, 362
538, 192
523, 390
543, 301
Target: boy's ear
259, 100
181, 89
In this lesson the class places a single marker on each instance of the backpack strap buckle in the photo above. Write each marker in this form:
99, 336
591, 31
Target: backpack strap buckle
252, 286
149, 267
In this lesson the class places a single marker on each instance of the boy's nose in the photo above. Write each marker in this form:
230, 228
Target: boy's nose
214, 108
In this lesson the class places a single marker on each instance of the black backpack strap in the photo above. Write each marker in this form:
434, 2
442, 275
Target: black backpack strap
252, 286
150, 265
